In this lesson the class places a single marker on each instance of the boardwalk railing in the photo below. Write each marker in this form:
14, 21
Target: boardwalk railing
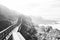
8, 30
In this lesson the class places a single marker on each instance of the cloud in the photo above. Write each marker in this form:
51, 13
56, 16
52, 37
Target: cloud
44, 8
55, 4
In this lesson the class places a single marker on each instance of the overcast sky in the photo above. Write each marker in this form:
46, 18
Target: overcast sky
48, 9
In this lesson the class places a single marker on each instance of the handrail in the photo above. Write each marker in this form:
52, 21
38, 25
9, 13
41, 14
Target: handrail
6, 28
10, 28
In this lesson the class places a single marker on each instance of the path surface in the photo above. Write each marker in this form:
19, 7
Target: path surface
17, 35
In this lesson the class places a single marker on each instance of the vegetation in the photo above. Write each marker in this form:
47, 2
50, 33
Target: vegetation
49, 34
27, 29
35, 32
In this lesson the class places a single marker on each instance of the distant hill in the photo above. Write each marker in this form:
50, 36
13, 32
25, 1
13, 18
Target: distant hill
41, 20
7, 13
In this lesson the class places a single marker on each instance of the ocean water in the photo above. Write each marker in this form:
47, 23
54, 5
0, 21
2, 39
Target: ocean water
54, 26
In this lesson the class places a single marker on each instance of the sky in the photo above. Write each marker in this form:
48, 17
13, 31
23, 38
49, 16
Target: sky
48, 9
